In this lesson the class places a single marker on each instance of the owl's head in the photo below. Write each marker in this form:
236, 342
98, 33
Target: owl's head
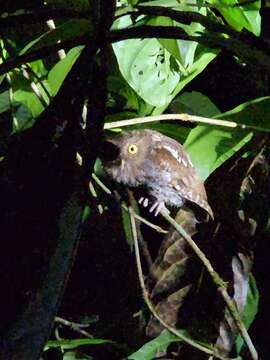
125, 154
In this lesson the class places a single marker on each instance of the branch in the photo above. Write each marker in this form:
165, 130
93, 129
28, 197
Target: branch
43, 51
212, 40
182, 117
186, 17
222, 286
123, 206
38, 16
74, 326
147, 300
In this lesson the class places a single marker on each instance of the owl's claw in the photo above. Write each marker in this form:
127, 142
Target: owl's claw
158, 206
143, 201
140, 200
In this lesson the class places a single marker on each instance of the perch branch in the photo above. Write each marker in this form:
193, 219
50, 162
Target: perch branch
138, 217
184, 118
222, 286
147, 300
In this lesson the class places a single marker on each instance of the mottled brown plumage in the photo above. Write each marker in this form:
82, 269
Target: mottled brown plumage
150, 159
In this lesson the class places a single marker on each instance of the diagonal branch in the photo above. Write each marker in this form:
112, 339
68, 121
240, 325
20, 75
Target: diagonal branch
212, 25
187, 340
41, 52
212, 40
222, 286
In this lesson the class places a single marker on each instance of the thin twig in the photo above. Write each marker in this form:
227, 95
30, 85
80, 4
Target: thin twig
151, 306
143, 244
138, 217
34, 87
182, 117
222, 286
74, 326
51, 25
94, 194
40, 82
41, 52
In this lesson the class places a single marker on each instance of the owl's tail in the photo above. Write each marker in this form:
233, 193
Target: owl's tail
204, 204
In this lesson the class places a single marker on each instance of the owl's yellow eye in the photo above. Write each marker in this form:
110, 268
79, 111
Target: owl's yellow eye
133, 149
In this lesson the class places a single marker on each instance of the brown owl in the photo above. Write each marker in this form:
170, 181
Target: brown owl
150, 159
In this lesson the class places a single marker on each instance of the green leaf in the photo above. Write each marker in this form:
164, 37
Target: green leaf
182, 50
146, 66
22, 118
175, 131
69, 30
26, 96
117, 85
56, 76
58, 73
254, 112
210, 146
159, 69
166, 3
159, 344
250, 310
71, 344
127, 227
194, 103
5, 101
239, 17
203, 57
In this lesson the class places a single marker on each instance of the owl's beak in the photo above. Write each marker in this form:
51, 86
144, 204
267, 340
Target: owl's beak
109, 151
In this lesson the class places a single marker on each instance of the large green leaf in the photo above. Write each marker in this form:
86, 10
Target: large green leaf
146, 66
158, 69
71, 344
150, 349
246, 16
254, 113
194, 103
182, 50
58, 73
27, 97
203, 57
56, 76
210, 146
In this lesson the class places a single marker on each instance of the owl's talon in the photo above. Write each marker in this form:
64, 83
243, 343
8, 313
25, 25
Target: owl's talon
145, 202
157, 206
141, 200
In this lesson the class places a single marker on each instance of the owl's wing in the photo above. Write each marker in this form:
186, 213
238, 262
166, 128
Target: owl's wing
184, 178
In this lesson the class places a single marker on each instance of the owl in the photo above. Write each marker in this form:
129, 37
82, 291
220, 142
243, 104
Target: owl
160, 164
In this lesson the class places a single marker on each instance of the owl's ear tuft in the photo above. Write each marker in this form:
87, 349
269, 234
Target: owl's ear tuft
109, 151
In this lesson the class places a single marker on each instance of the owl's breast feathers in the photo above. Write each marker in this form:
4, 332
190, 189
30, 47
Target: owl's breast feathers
175, 167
